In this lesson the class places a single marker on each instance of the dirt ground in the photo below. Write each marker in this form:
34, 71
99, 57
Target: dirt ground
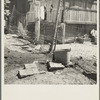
18, 52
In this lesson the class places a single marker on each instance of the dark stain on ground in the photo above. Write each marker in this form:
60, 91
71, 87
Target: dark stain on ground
92, 76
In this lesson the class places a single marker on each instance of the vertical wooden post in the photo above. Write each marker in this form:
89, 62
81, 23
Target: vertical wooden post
63, 32
63, 24
63, 12
10, 19
12, 12
56, 25
37, 22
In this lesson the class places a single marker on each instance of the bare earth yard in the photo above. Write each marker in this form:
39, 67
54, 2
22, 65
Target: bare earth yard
16, 55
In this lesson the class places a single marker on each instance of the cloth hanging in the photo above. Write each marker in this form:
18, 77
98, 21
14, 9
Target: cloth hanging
42, 12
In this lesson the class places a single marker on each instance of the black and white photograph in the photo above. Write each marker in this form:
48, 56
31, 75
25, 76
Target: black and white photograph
50, 42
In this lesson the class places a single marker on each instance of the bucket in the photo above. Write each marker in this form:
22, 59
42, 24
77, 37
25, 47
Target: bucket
62, 56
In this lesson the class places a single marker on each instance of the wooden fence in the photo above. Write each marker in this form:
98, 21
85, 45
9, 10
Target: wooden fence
75, 12
80, 16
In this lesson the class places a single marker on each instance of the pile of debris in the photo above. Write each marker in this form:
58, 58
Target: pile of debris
29, 69
33, 68
56, 64
92, 37
80, 65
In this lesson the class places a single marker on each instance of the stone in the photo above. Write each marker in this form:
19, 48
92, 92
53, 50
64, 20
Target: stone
29, 69
38, 47
79, 40
53, 66
28, 72
32, 65
28, 49
45, 48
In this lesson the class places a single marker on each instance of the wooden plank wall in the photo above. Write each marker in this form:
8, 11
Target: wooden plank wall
30, 15
80, 11
51, 16
77, 11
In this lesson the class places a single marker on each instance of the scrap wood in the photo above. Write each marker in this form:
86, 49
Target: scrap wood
38, 49
56, 65
28, 72
53, 66
32, 65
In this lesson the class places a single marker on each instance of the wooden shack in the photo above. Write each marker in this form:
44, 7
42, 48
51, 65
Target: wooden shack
75, 11
80, 16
